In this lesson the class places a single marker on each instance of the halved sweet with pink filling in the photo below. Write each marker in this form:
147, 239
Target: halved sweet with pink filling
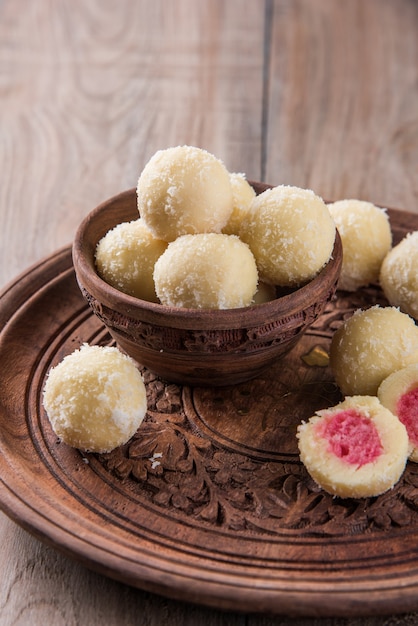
399, 393
356, 449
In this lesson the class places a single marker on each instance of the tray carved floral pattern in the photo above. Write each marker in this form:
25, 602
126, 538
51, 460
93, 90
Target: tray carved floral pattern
208, 502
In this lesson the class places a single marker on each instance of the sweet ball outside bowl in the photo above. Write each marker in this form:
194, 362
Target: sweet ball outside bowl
203, 347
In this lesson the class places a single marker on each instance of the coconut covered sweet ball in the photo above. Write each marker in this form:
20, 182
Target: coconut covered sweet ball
366, 239
242, 197
125, 259
399, 394
369, 346
399, 276
206, 271
356, 449
184, 190
291, 234
95, 398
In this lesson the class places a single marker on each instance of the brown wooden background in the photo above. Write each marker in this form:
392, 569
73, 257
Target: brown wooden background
316, 93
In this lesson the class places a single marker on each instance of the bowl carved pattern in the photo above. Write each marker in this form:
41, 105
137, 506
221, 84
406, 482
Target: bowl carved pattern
277, 332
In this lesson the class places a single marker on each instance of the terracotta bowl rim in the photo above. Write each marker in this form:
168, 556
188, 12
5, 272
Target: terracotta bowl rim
88, 279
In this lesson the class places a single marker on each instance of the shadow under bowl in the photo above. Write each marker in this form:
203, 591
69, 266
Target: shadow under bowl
203, 347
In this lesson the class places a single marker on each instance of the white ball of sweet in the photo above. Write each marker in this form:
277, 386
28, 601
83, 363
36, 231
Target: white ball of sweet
356, 449
206, 271
398, 393
184, 190
399, 276
291, 234
369, 346
242, 196
125, 259
95, 398
366, 239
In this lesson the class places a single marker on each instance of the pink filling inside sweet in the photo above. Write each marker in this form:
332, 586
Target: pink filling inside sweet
351, 436
407, 411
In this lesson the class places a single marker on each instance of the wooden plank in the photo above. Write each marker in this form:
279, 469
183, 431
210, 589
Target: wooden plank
342, 112
41, 586
91, 90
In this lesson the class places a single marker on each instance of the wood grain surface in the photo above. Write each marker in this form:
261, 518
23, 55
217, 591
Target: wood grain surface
318, 93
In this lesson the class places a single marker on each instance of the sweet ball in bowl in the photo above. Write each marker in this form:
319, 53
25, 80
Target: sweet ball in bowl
204, 346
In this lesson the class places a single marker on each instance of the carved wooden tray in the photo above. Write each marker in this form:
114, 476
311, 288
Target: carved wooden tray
209, 502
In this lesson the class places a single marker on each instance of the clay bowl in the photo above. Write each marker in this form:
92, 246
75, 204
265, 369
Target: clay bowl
196, 347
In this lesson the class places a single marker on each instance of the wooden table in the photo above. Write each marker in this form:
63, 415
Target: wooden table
315, 93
